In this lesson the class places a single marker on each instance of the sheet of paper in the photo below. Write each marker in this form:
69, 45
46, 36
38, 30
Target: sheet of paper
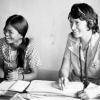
50, 88
19, 86
5, 85
93, 90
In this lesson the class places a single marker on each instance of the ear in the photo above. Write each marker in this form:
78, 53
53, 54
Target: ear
91, 23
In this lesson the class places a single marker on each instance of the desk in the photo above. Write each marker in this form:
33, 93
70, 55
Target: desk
44, 90
8, 97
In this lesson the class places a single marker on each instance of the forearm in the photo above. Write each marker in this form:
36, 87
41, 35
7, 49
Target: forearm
64, 70
30, 76
63, 73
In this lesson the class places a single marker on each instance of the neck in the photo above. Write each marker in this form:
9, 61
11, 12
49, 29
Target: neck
16, 44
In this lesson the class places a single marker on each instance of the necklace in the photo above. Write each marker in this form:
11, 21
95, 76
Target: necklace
84, 78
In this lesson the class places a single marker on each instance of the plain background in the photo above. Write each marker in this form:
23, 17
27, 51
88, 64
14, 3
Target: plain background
48, 25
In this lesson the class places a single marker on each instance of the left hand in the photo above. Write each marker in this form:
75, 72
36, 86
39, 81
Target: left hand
13, 75
82, 95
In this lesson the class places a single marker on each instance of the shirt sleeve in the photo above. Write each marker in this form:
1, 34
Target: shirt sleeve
32, 56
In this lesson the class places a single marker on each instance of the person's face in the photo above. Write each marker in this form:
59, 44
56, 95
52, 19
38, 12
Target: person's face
78, 27
12, 35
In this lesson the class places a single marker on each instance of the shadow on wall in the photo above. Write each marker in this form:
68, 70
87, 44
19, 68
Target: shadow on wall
45, 74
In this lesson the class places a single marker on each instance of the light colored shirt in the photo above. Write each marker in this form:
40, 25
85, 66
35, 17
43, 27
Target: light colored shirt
93, 59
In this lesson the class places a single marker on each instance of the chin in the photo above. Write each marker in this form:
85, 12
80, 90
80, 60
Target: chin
9, 42
76, 36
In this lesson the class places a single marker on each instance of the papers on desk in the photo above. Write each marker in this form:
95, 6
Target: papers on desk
4, 86
13, 86
93, 91
19, 86
50, 88
42, 88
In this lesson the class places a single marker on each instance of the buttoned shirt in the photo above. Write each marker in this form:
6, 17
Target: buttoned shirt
93, 59
8, 56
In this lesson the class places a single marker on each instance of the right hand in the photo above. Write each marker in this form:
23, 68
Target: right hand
62, 82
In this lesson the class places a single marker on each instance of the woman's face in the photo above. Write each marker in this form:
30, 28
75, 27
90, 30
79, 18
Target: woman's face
78, 27
12, 35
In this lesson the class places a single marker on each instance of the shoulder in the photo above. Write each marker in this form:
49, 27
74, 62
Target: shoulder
31, 44
31, 47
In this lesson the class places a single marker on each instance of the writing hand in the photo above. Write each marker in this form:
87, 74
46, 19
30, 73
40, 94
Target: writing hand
82, 95
62, 82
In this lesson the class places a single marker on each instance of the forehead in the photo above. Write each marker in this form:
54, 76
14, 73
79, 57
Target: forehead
72, 19
77, 20
11, 28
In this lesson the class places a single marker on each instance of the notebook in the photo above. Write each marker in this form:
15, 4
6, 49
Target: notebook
18, 86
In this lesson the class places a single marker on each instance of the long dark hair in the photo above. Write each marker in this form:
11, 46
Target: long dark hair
21, 25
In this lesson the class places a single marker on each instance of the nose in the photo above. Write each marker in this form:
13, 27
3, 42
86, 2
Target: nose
7, 33
73, 26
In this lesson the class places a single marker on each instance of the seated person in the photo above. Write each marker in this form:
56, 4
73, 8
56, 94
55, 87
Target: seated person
19, 59
81, 61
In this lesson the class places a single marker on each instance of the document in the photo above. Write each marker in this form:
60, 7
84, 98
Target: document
4, 86
93, 91
50, 88
18, 86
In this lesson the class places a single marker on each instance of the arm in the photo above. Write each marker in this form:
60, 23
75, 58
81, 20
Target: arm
33, 62
64, 70
31, 76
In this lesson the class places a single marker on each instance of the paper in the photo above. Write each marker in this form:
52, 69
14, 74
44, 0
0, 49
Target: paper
17, 97
50, 88
4, 86
93, 91
19, 86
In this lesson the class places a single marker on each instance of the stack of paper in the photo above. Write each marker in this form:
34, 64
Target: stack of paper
50, 88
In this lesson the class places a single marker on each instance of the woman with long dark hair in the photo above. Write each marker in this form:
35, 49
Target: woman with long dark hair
19, 59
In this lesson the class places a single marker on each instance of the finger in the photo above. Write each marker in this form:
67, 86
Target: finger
60, 84
83, 95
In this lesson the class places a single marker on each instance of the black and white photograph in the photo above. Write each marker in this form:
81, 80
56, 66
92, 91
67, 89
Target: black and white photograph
49, 49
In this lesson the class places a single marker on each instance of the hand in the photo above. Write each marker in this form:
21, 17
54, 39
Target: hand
13, 75
82, 95
62, 82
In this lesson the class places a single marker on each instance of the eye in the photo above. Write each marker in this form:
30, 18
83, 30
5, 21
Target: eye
71, 23
77, 23
10, 31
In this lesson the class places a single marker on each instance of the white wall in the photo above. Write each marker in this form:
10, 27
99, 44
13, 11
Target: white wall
48, 25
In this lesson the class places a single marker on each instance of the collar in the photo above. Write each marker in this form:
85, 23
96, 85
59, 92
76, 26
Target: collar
74, 43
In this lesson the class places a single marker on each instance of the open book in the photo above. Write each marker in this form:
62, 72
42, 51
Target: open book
18, 86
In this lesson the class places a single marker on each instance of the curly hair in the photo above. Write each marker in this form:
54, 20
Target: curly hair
84, 11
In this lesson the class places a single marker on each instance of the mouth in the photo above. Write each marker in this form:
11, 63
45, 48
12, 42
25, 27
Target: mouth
8, 38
